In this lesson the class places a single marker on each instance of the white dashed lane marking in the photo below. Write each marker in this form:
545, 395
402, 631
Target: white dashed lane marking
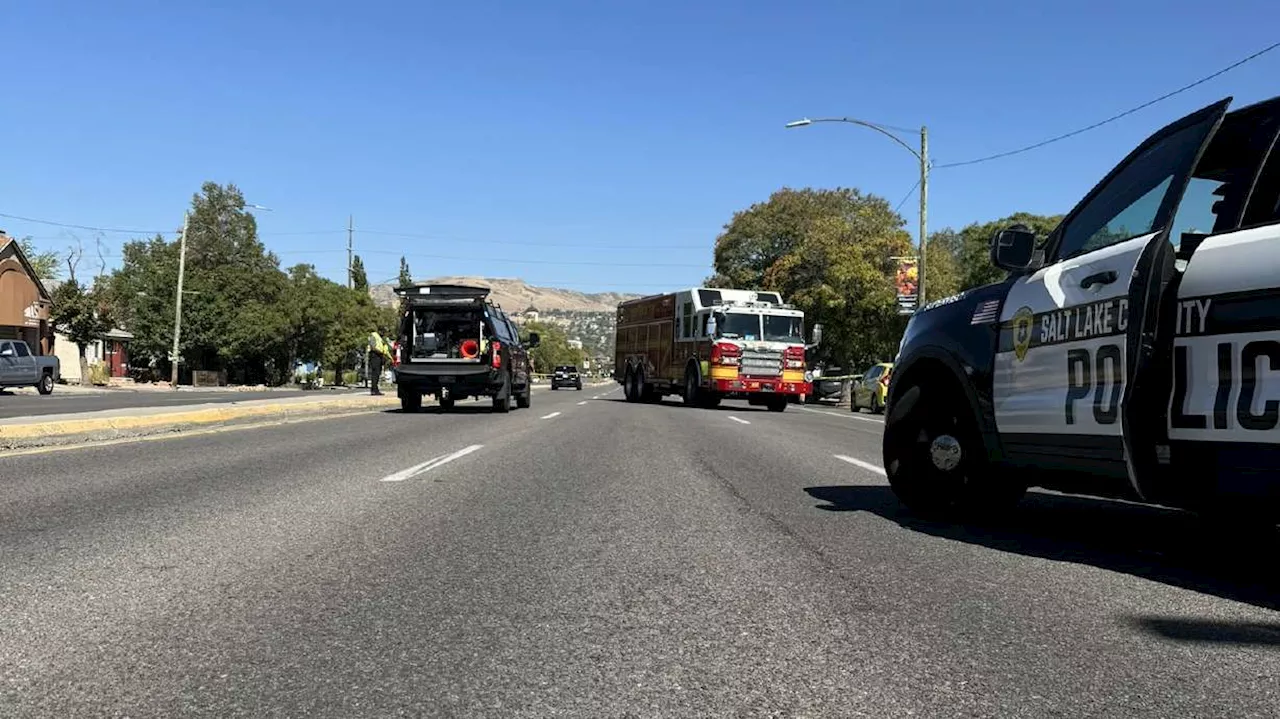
864, 465
850, 415
549, 416
430, 464
739, 421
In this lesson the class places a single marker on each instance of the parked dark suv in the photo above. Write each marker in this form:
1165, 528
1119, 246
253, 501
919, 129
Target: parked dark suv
566, 375
455, 343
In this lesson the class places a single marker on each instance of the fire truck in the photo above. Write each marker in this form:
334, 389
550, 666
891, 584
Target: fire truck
706, 344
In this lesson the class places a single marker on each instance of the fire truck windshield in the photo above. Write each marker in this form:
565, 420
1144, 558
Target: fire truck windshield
780, 328
735, 325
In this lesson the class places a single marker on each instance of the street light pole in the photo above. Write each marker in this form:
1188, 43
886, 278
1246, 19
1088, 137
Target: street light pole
177, 303
924, 212
922, 155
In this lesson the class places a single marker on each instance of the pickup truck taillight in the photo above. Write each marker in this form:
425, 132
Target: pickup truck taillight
397, 354
497, 354
726, 353
793, 357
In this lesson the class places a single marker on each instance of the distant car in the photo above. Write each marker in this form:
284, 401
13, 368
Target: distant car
826, 389
20, 367
873, 389
566, 375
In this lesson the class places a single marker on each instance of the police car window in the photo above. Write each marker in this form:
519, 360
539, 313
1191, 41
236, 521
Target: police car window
1131, 203
1216, 195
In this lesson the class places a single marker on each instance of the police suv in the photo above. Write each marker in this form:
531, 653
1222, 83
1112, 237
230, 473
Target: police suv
1134, 352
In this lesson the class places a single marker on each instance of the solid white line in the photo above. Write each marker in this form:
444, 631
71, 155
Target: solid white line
859, 463
430, 464
553, 414
850, 415
582, 403
739, 421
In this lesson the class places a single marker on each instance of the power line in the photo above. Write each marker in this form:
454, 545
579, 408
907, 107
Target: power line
532, 262
525, 243
85, 227
906, 197
1113, 118
383, 233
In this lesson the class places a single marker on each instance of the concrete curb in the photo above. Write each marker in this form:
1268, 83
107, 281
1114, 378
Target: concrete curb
74, 431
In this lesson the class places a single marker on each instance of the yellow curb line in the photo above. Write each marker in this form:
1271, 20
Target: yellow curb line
90, 444
198, 417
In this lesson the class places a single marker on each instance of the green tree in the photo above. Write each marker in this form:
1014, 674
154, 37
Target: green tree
830, 253
82, 315
406, 277
359, 279
943, 273
45, 264
232, 316
553, 347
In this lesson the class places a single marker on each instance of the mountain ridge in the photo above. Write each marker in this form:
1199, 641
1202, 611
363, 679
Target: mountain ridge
515, 295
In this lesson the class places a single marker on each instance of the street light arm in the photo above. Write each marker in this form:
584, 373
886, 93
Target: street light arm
873, 126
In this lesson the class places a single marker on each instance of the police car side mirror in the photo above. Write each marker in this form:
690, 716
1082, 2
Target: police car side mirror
534, 340
1013, 249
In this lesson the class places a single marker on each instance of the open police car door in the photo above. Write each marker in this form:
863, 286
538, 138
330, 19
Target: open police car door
1078, 329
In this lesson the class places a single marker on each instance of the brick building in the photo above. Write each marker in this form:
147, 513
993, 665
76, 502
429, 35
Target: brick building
24, 301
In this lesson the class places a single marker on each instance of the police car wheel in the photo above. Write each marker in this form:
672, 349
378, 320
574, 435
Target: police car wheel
935, 459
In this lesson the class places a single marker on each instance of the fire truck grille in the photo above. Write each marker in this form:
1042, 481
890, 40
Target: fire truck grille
762, 364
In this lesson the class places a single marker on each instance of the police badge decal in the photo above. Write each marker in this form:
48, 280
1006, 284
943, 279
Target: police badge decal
1023, 321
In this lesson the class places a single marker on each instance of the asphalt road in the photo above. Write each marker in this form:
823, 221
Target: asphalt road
31, 405
592, 558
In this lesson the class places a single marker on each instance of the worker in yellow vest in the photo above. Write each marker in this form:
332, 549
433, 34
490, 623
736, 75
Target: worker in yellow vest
379, 353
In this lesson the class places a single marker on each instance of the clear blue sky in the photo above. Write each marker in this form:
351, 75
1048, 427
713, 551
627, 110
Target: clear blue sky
620, 126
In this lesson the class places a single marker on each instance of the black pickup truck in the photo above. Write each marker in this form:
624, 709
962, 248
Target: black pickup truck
1133, 352
455, 343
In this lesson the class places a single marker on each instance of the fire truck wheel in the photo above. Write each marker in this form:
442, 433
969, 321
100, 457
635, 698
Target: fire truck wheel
710, 400
691, 389
630, 388
446, 404
778, 404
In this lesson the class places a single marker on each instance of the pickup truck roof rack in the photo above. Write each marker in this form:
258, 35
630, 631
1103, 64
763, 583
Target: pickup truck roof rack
452, 292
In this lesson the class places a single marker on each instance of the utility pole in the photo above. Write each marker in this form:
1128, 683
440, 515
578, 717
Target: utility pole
351, 279
177, 302
924, 211
923, 157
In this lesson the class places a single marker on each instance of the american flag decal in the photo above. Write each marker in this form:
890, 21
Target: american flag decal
986, 312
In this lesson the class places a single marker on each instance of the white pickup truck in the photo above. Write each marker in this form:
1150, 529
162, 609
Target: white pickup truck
20, 367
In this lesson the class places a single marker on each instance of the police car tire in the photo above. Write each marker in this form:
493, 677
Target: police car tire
524, 401
975, 490
446, 403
